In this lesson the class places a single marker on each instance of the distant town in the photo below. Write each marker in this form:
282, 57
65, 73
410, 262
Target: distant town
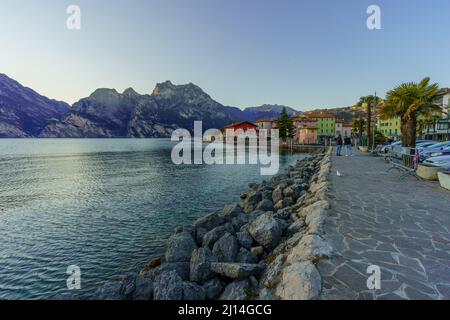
324, 125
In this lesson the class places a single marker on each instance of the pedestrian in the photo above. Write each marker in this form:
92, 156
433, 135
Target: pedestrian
348, 145
339, 143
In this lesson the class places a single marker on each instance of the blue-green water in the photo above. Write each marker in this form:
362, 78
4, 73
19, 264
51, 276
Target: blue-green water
104, 205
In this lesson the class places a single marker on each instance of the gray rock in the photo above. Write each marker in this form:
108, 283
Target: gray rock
231, 210
130, 287
226, 248
213, 288
249, 207
190, 229
200, 270
310, 247
257, 250
111, 290
213, 235
236, 290
245, 256
199, 234
300, 281
277, 194
296, 226
266, 294
266, 194
265, 205
143, 289
236, 270
272, 273
244, 238
181, 268
288, 244
266, 230
290, 192
168, 286
209, 221
192, 291
253, 197
283, 214
180, 247
239, 221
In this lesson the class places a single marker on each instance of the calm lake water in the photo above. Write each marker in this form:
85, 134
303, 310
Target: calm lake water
104, 205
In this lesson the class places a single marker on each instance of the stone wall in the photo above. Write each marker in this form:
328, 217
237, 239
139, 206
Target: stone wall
264, 247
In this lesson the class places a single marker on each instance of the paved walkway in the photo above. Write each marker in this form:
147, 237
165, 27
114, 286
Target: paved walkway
401, 225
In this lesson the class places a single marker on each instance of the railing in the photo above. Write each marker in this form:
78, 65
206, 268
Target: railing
407, 163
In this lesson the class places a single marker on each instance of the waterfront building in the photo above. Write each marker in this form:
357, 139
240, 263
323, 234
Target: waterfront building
305, 130
326, 125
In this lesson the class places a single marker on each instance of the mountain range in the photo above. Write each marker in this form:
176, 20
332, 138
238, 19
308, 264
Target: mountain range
107, 113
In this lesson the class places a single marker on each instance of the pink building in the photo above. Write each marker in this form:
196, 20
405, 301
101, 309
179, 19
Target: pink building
305, 130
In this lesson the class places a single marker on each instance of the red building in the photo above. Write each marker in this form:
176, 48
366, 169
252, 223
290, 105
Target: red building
242, 125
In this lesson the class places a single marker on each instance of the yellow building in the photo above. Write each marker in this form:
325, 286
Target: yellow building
390, 128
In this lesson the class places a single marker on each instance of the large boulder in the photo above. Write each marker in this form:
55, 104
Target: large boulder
226, 248
272, 273
266, 230
192, 291
209, 221
180, 247
277, 194
181, 268
265, 205
315, 221
231, 210
111, 290
168, 286
300, 281
200, 270
245, 239
130, 287
213, 288
310, 247
236, 290
245, 256
236, 270
322, 204
213, 235
253, 197
295, 226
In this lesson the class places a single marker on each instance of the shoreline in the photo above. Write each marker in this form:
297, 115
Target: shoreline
261, 248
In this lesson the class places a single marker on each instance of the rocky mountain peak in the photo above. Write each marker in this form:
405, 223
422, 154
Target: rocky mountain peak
130, 92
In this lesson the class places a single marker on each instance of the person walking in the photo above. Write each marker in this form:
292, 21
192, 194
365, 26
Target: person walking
339, 143
348, 145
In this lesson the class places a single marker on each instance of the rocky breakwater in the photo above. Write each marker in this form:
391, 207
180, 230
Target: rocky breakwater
264, 247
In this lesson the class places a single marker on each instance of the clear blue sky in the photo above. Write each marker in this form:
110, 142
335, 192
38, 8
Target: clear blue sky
304, 54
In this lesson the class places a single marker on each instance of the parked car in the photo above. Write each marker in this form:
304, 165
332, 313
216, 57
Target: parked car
443, 152
435, 148
441, 161
423, 145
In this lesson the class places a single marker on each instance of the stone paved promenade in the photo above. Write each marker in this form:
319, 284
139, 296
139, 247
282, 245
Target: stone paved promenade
401, 225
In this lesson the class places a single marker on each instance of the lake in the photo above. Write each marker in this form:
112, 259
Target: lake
105, 205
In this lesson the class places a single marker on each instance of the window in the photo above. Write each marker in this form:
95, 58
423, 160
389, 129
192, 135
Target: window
442, 126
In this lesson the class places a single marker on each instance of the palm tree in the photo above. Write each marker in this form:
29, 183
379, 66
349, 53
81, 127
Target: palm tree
409, 101
368, 102
358, 126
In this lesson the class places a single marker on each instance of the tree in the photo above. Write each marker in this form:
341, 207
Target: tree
368, 102
358, 126
285, 125
410, 101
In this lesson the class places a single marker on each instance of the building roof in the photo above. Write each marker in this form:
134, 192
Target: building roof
234, 124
